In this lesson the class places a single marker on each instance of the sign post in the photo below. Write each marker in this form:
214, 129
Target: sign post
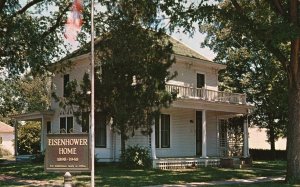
92, 127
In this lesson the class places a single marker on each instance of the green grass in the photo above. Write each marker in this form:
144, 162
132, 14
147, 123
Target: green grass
263, 184
111, 175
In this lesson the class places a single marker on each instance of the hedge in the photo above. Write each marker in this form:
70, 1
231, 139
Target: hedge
265, 154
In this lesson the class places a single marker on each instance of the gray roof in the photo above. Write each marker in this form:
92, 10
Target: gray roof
178, 48
181, 49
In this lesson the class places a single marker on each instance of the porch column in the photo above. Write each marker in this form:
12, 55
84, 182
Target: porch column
245, 143
42, 134
153, 146
204, 154
16, 137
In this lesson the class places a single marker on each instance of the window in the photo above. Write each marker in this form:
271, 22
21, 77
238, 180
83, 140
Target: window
157, 132
165, 131
85, 122
1, 140
162, 131
48, 127
200, 80
66, 91
100, 130
66, 124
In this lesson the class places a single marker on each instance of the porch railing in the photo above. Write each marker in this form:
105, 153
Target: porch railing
229, 148
206, 94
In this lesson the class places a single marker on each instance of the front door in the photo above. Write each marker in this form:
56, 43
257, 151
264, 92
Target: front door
199, 133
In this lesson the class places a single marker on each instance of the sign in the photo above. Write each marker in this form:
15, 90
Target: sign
67, 152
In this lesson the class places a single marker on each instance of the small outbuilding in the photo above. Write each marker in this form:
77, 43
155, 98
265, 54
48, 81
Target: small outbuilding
7, 138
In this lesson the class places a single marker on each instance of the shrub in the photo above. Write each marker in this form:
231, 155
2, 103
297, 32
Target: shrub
136, 157
39, 157
29, 139
265, 154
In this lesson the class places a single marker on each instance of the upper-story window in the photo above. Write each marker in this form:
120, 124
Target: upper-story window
200, 80
66, 91
66, 124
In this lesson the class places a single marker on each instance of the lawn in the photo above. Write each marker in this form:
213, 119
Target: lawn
112, 175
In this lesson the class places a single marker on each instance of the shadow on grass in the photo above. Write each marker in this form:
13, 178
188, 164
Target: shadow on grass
32, 171
112, 175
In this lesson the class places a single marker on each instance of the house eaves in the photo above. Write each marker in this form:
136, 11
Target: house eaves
179, 49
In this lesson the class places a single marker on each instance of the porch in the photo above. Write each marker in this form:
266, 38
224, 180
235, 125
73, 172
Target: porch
185, 163
200, 138
196, 162
206, 94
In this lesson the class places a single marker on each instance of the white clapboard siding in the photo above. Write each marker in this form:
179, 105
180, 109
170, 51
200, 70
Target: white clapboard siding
182, 134
8, 141
211, 134
188, 75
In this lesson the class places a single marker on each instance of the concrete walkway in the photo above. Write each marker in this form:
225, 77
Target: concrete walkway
226, 182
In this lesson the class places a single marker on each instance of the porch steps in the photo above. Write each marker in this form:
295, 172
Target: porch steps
237, 163
185, 163
24, 158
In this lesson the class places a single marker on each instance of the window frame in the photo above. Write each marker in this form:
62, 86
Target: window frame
67, 122
100, 130
66, 80
49, 127
162, 130
204, 80
85, 122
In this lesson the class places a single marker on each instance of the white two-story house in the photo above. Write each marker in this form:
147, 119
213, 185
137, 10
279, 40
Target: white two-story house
191, 131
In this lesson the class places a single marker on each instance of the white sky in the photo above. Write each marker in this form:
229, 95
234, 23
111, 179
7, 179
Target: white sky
194, 42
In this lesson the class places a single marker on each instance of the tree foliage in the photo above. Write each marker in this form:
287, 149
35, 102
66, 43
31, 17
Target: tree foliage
271, 29
30, 34
29, 139
26, 94
251, 69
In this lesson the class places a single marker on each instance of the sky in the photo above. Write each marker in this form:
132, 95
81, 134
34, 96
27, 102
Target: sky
192, 42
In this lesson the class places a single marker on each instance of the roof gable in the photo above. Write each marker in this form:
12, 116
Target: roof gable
181, 49
5, 128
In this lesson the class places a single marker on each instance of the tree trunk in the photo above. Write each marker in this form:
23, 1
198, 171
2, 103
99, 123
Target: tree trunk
272, 141
293, 136
293, 133
123, 142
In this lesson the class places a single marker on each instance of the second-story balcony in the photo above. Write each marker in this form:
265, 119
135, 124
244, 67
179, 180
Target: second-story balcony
206, 94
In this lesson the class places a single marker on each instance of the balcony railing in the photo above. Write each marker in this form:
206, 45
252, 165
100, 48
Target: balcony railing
206, 94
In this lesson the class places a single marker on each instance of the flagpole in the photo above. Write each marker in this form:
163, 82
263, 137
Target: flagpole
92, 99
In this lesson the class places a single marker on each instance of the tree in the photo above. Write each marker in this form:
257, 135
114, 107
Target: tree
26, 94
131, 69
254, 71
30, 34
22, 95
29, 139
274, 25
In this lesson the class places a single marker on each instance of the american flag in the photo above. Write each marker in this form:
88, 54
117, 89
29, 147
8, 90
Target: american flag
74, 22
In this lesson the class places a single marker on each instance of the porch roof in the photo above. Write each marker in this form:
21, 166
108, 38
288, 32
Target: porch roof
33, 116
228, 108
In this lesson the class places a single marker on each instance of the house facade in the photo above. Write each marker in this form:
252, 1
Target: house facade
190, 130
7, 138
